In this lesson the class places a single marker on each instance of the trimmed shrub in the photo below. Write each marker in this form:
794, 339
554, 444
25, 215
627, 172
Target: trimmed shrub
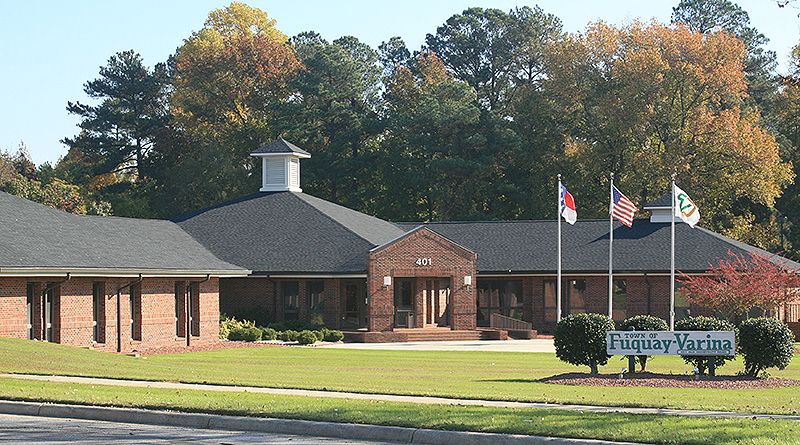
245, 333
268, 334
581, 340
320, 335
643, 323
333, 336
288, 335
228, 324
307, 337
701, 323
765, 343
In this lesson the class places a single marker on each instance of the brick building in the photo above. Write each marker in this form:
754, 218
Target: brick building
313, 260
123, 284
115, 284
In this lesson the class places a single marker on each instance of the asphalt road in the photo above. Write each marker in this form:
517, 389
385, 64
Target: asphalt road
26, 430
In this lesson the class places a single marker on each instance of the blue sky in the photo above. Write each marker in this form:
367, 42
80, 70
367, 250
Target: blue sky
48, 49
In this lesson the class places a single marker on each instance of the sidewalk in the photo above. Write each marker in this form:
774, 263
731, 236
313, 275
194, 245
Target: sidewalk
394, 398
511, 345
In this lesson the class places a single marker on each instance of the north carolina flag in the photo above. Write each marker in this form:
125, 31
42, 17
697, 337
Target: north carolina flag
568, 210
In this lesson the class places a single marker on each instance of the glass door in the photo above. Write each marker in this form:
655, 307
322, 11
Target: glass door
49, 309
404, 291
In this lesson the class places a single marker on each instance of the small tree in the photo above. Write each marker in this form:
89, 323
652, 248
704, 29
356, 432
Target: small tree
643, 323
738, 284
581, 339
765, 343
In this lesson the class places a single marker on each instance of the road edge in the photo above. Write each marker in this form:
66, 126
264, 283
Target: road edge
283, 426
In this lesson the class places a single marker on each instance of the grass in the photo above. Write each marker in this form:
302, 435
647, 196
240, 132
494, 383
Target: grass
463, 374
612, 426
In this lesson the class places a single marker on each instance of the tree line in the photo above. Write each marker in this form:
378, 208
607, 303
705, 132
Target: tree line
474, 125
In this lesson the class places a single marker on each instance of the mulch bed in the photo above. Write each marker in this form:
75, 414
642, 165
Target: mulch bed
652, 380
204, 347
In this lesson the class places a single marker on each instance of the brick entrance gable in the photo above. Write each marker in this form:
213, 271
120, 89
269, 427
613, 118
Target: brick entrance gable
438, 257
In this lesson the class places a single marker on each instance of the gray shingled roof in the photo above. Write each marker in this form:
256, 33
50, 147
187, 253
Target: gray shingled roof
287, 232
40, 237
530, 246
663, 201
279, 146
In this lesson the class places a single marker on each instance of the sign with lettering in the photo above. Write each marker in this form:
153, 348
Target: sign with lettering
671, 343
423, 261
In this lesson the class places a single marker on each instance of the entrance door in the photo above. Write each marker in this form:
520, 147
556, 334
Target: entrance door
404, 292
437, 302
354, 304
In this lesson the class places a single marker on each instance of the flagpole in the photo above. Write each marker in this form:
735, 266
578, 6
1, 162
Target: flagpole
558, 276
611, 249
672, 260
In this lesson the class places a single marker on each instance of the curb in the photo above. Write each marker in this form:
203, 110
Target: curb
285, 426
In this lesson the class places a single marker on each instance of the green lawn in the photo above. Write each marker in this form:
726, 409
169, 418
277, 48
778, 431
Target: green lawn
620, 427
502, 375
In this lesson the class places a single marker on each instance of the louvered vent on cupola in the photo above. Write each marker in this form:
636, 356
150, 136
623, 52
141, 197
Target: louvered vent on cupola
280, 166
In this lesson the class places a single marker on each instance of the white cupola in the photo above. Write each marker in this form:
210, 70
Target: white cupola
661, 209
280, 166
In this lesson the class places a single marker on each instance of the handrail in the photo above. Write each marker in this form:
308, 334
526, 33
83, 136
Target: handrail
499, 321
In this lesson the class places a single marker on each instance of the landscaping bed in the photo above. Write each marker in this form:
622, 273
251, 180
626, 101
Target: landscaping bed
180, 348
653, 380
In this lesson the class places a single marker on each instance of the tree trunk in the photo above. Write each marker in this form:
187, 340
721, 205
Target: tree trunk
594, 369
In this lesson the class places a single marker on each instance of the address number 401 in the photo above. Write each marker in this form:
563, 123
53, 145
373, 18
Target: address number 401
423, 262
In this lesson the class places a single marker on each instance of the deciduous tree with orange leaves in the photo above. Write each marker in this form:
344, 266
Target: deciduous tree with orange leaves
647, 100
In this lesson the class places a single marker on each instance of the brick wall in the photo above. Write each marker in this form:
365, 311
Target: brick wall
251, 298
73, 314
256, 298
448, 260
13, 308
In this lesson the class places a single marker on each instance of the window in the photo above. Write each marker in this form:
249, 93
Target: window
290, 295
30, 295
503, 297
135, 299
180, 309
194, 309
577, 293
619, 300
550, 302
316, 295
99, 312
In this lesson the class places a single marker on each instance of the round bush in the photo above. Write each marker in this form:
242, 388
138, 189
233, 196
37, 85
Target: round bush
581, 339
701, 323
307, 337
320, 335
765, 343
268, 334
288, 335
643, 323
333, 336
245, 333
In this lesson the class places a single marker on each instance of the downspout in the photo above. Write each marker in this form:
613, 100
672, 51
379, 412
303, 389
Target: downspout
43, 311
119, 310
186, 308
649, 292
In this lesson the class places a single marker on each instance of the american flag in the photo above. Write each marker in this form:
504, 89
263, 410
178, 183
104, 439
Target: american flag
621, 207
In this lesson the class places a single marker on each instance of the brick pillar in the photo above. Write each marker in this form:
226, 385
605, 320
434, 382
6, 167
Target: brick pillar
332, 303
419, 302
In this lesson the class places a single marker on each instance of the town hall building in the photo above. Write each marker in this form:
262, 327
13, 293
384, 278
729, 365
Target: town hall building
280, 255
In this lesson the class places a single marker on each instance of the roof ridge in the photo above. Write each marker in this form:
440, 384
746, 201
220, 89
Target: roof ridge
299, 197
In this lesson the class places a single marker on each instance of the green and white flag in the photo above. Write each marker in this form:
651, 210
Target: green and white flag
685, 208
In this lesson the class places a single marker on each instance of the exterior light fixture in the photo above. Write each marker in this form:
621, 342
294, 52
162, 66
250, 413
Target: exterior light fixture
468, 280
387, 281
